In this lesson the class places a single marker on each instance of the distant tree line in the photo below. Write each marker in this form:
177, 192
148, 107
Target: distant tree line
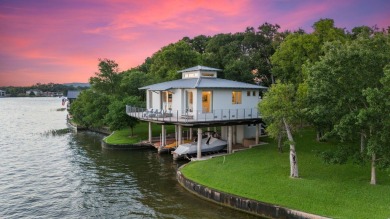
331, 79
17, 91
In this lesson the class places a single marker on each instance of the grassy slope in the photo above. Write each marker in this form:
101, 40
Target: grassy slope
140, 133
261, 173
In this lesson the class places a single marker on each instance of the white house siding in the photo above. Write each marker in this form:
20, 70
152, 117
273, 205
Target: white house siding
222, 103
156, 100
176, 99
223, 99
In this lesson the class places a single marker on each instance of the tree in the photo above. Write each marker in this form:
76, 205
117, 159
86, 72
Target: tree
337, 83
170, 59
131, 81
244, 56
376, 116
90, 108
117, 117
279, 109
268, 39
198, 43
107, 80
298, 48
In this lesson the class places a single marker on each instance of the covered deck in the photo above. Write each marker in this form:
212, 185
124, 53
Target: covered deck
185, 118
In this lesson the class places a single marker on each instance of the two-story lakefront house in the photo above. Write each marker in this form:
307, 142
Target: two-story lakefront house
201, 99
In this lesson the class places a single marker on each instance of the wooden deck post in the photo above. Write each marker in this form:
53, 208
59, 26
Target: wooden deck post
199, 144
230, 139
257, 134
191, 134
150, 132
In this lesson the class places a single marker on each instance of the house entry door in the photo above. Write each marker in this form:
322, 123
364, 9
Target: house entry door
189, 103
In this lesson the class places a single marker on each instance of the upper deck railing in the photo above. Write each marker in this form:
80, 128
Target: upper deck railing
195, 116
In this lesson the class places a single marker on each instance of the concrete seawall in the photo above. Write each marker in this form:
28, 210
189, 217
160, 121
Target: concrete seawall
137, 146
240, 203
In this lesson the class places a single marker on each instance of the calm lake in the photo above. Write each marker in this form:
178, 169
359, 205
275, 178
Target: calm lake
68, 175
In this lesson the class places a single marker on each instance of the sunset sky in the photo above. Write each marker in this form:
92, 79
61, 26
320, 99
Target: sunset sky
61, 41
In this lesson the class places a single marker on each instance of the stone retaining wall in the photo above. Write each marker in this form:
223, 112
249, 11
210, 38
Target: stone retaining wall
240, 203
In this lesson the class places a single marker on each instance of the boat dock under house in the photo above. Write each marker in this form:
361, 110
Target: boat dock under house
200, 100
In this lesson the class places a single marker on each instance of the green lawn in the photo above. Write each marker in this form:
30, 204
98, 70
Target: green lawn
140, 133
261, 173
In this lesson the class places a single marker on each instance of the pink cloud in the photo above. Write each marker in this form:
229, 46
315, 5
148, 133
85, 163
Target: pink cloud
62, 41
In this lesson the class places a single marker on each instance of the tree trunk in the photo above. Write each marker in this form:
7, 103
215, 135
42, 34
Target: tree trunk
280, 147
318, 135
362, 146
373, 171
272, 79
293, 154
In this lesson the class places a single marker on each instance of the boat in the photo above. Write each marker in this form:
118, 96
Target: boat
209, 143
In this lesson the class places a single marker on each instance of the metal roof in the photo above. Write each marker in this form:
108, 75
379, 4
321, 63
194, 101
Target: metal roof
73, 94
199, 68
201, 83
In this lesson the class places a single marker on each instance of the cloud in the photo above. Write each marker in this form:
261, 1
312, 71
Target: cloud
61, 41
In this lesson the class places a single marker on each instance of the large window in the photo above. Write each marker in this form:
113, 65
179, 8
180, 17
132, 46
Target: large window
166, 100
206, 101
236, 97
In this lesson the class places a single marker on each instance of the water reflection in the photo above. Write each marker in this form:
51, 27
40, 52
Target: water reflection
139, 184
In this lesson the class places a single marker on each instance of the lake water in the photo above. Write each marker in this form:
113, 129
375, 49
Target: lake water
68, 175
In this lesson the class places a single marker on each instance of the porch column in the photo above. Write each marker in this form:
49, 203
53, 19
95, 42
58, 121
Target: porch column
257, 134
199, 144
179, 134
150, 132
230, 139
191, 134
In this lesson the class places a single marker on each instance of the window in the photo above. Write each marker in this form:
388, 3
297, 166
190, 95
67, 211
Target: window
248, 93
208, 74
206, 101
254, 93
236, 97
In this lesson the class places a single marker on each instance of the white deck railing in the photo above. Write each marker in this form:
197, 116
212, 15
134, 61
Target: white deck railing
195, 116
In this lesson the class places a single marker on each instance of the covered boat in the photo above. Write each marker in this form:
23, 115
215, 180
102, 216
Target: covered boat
208, 144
